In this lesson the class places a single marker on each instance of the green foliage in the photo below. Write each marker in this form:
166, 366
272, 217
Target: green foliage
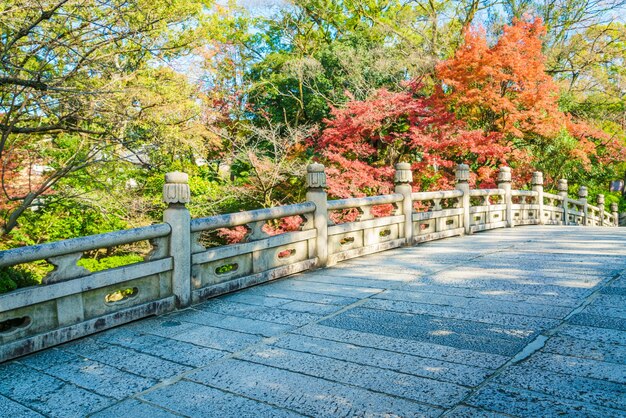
12, 278
93, 264
63, 220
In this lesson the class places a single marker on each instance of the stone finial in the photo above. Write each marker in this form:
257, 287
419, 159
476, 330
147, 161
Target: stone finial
614, 207
562, 185
176, 188
315, 176
600, 199
582, 192
403, 173
462, 173
537, 179
504, 175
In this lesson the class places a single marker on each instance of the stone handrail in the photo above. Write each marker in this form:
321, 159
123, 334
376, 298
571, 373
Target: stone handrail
241, 218
82, 244
444, 194
357, 202
182, 269
487, 192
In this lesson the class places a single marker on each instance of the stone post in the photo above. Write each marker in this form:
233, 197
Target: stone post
600, 200
615, 214
316, 193
582, 196
403, 180
537, 183
562, 191
462, 184
504, 182
176, 194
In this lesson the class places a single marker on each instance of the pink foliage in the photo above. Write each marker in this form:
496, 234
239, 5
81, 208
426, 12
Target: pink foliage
238, 234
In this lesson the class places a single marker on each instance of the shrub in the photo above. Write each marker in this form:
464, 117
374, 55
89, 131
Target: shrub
93, 264
12, 278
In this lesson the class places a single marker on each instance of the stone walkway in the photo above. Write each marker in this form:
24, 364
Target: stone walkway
526, 322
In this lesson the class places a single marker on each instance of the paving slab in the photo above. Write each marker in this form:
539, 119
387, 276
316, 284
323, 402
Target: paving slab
406, 346
604, 335
577, 366
511, 322
594, 350
400, 362
204, 401
416, 388
135, 409
524, 403
521, 322
12, 408
52, 396
166, 348
305, 394
476, 336
474, 304
599, 392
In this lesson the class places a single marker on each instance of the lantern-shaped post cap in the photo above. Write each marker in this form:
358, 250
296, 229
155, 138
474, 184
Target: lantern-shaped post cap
176, 188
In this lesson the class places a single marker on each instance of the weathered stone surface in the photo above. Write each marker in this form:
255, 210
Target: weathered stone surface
404, 363
466, 335
599, 321
579, 367
524, 403
135, 409
619, 289
48, 395
402, 345
163, 326
260, 300
604, 310
328, 289
476, 304
233, 323
603, 393
603, 335
357, 281
10, 408
489, 295
269, 291
309, 307
305, 394
276, 315
373, 378
140, 364
609, 299
217, 338
465, 411
525, 325
165, 348
595, 350
203, 401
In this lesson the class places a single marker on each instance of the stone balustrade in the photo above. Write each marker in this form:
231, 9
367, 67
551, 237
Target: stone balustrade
181, 270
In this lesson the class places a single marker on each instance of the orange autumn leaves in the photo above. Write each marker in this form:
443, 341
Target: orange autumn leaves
503, 88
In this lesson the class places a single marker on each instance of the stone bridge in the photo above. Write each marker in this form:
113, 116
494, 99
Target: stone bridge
509, 322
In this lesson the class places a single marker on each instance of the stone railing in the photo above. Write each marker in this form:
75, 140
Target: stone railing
73, 302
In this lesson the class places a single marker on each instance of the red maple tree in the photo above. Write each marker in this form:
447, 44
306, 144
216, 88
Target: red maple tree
363, 141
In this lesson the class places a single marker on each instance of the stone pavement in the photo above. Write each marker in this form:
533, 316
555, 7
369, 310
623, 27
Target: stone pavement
524, 322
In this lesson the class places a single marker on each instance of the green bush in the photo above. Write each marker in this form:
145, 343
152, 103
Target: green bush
12, 278
93, 264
